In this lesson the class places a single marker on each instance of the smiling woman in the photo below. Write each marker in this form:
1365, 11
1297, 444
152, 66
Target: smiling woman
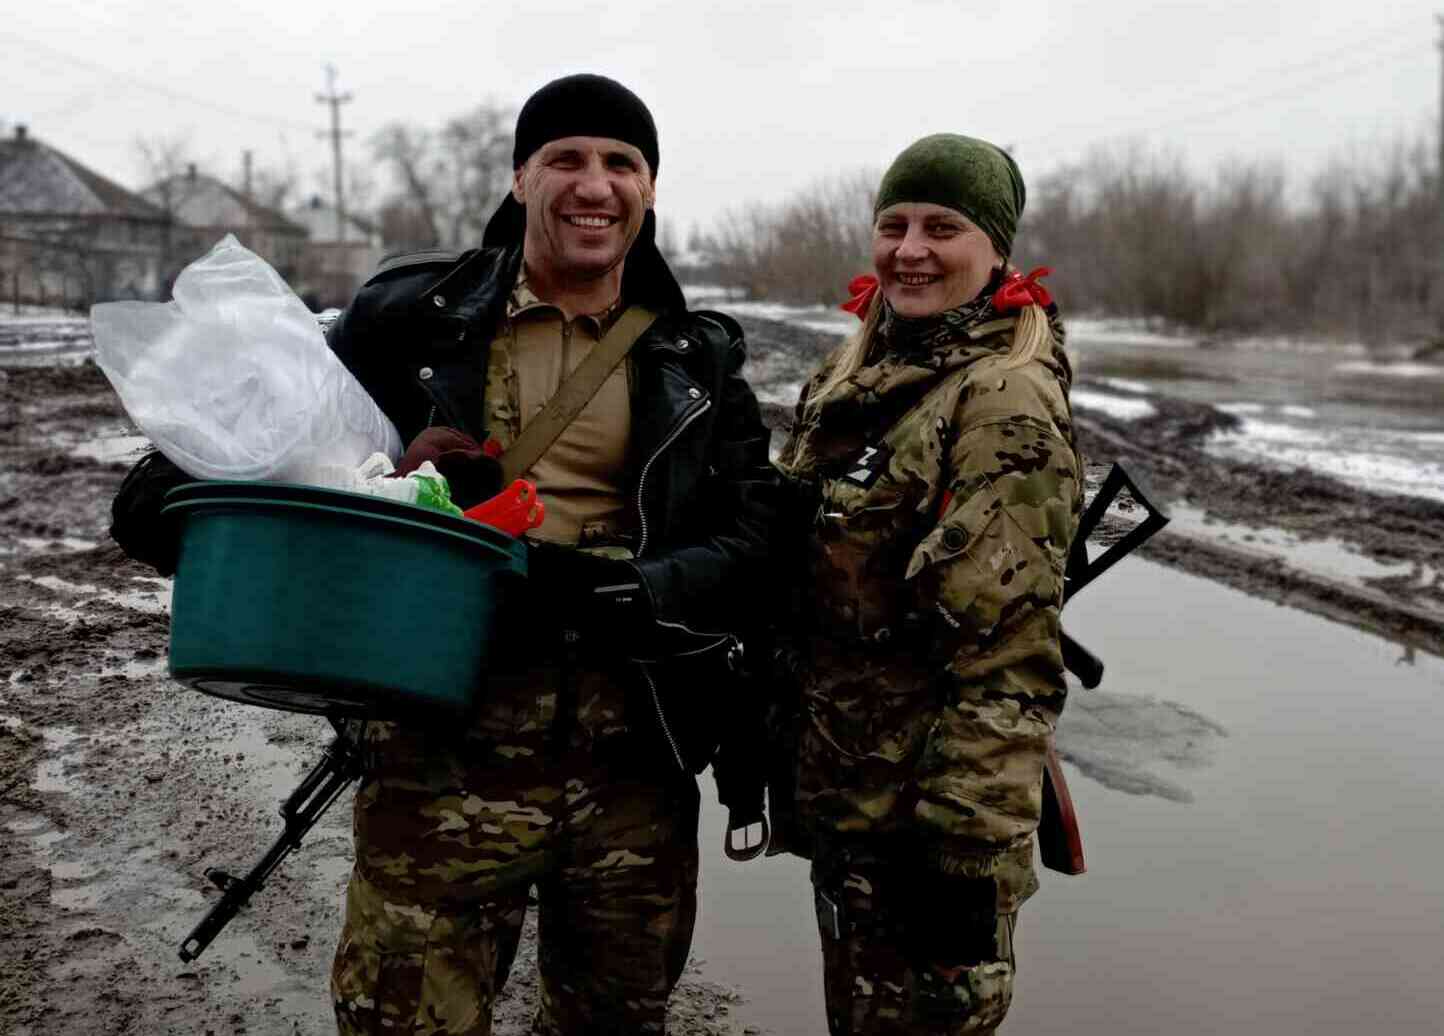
941, 488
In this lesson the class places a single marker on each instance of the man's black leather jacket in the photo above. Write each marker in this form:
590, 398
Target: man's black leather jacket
417, 337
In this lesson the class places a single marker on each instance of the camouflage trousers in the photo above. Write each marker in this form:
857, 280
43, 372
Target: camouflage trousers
909, 950
452, 829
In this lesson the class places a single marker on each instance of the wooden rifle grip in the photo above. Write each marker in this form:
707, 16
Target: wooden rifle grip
1060, 843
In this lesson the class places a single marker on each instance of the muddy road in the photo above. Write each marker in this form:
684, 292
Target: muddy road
118, 788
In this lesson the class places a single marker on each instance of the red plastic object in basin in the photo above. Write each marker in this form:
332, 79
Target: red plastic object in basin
514, 510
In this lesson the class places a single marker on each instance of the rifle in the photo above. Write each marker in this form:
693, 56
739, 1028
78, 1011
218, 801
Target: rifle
1060, 845
339, 766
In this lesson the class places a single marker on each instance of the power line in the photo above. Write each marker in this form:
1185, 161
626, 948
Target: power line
159, 88
1332, 75
1359, 48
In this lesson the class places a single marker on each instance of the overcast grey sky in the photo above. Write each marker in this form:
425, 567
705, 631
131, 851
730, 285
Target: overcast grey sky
752, 100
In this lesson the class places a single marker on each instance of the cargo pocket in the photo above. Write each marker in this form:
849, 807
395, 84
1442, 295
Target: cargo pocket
375, 992
400, 963
969, 999
965, 971
980, 773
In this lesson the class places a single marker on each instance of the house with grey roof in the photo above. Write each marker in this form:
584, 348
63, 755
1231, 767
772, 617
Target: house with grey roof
205, 209
69, 235
339, 254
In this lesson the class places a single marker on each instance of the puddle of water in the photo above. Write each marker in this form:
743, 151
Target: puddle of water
44, 842
50, 775
1330, 557
152, 602
137, 670
76, 898
29, 825
72, 871
1294, 893
334, 870
72, 888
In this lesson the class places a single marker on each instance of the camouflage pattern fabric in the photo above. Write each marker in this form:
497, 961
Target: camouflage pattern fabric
950, 490
503, 391
908, 956
453, 827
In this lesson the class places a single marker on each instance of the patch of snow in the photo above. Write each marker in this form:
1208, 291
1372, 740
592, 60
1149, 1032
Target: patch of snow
63, 545
705, 296
1127, 385
40, 345
1124, 332
1361, 457
31, 314
1281, 343
1120, 407
112, 449
1391, 370
824, 319
1331, 557
153, 602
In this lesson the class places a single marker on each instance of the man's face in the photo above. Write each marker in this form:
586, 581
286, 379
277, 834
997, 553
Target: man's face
585, 199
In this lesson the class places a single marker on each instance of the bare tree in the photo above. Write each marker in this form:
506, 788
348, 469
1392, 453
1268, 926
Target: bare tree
164, 160
409, 154
805, 249
447, 182
276, 186
476, 151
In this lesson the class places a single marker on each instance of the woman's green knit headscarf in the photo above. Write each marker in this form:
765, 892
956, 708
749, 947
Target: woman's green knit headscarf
972, 176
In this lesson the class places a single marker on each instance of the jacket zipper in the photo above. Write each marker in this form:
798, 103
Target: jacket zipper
672, 436
661, 719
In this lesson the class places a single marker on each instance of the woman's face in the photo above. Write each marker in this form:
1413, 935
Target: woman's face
930, 258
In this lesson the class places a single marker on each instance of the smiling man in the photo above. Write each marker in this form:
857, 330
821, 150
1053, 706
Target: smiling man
576, 776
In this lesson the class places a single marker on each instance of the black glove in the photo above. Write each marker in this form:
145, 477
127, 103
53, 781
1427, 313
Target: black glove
601, 600
135, 519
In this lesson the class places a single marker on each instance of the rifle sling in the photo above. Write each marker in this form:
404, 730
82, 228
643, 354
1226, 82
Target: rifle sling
576, 391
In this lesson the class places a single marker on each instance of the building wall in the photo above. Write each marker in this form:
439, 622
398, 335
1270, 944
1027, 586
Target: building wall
76, 262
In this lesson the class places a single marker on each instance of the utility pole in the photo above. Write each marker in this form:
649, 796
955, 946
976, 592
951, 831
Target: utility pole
335, 100
1439, 187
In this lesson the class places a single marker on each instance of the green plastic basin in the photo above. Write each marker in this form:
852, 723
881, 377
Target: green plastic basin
322, 601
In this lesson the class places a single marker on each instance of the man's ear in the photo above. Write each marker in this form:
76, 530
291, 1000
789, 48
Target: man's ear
518, 184
651, 189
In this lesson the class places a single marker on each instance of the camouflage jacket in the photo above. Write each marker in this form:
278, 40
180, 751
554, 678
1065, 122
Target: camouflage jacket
948, 489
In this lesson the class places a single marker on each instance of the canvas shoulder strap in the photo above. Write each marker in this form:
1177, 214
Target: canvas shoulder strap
575, 392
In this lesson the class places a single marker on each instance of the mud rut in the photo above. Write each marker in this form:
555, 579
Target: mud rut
117, 788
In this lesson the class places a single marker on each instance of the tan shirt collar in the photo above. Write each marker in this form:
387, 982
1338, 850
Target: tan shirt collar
523, 301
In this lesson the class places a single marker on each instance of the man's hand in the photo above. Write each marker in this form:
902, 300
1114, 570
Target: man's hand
136, 523
472, 474
601, 600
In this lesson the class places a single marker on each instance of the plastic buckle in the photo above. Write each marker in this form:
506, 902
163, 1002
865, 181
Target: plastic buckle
747, 851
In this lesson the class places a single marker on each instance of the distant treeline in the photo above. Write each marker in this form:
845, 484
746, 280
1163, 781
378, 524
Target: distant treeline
1355, 252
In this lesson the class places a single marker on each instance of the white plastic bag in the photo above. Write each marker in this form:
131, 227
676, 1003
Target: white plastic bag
234, 380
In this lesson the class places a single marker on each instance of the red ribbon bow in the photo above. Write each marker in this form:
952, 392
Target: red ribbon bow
862, 288
1017, 291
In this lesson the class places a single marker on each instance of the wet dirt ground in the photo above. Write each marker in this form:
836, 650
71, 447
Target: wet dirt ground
118, 788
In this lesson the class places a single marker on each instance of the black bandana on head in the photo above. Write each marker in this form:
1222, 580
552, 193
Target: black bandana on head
584, 105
